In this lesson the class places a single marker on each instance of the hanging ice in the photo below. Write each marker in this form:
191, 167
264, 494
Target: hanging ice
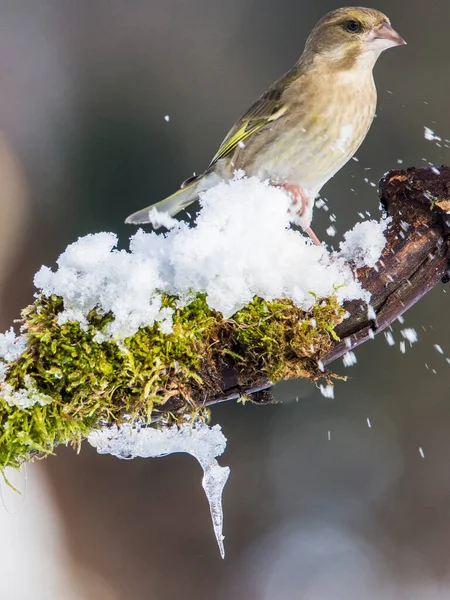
199, 440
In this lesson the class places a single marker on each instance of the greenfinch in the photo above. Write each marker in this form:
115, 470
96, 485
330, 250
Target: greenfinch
309, 123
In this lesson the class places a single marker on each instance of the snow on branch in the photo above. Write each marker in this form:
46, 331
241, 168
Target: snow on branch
127, 342
148, 333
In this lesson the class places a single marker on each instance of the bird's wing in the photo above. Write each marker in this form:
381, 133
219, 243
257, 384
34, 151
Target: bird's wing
269, 107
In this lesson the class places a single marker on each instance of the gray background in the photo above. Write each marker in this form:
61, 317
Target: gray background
85, 86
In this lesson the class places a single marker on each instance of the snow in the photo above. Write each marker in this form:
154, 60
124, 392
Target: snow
91, 274
242, 246
161, 219
389, 338
345, 135
438, 348
410, 335
364, 243
371, 314
11, 346
26, 396
199, 440
430, 135
327, 391
349, 359
319, 203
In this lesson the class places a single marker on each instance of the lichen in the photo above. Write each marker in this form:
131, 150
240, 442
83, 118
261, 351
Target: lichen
92, 382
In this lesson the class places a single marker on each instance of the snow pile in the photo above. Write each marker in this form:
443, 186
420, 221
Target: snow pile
92, 274
364, 243
199, 440
242, 246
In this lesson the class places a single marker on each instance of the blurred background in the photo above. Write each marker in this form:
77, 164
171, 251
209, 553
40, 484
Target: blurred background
328, 499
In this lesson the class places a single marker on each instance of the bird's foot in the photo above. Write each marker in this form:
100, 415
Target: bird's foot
300, 198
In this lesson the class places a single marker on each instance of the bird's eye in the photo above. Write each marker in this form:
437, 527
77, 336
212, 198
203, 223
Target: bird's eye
353, 26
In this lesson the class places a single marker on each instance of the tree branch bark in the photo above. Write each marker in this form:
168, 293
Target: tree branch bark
76, 384
416, 258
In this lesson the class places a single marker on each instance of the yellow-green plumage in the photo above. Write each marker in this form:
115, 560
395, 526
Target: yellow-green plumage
311, 121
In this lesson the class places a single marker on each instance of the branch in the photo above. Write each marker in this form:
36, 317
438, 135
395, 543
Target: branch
64, 378
416, 258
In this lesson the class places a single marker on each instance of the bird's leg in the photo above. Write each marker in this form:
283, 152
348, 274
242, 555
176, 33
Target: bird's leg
312, 236
299, 197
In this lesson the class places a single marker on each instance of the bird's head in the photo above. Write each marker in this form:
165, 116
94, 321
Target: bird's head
349, 35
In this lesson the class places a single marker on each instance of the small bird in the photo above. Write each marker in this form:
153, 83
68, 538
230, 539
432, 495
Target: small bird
309, 123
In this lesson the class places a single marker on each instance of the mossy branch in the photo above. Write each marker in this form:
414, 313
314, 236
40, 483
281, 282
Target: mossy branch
79, 383
416, 258
151, 376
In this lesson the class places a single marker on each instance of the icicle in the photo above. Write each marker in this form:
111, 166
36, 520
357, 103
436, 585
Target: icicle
198, 439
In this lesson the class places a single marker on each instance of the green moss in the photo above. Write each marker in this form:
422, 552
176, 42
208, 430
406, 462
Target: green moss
282, 341
150, 373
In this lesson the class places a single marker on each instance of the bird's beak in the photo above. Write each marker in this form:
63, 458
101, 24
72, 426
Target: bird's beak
384, 37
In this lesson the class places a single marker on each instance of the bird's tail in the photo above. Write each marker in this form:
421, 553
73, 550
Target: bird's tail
175, 203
